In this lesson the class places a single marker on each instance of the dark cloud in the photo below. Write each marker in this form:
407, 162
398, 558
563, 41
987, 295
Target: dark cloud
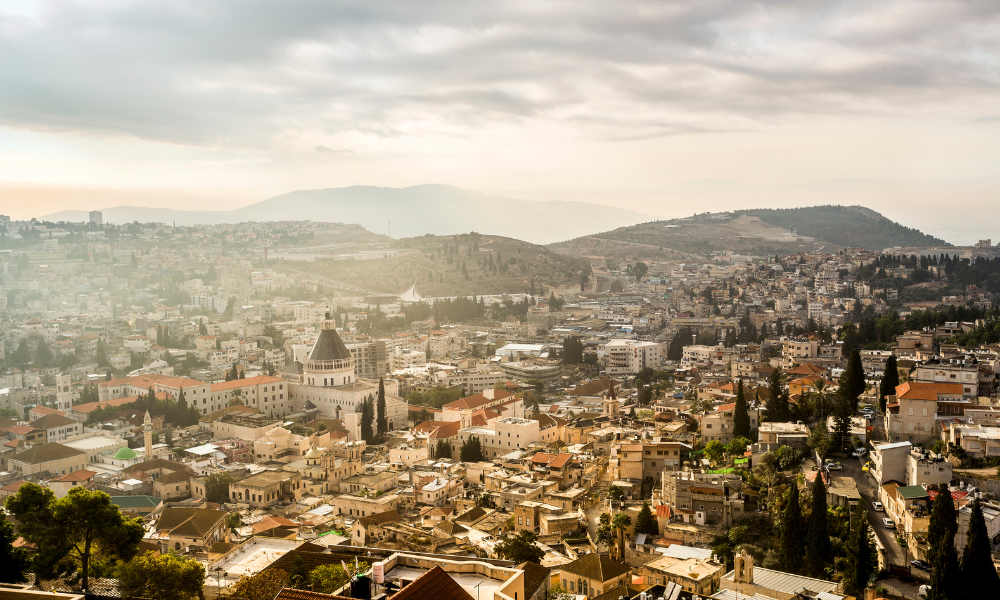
243, 72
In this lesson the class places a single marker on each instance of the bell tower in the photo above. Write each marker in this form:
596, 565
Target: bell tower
611, 405
147, 436
64, 397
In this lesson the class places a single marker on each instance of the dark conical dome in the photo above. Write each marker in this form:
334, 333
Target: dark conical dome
329, 346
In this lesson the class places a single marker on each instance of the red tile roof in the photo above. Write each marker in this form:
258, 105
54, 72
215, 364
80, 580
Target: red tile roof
913, 390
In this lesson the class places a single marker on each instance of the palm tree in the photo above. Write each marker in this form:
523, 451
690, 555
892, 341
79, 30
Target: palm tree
236, 396
819, 388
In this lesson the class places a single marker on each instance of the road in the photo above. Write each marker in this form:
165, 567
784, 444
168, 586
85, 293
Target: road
894, 553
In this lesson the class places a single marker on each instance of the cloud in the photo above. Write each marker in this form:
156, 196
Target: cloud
253, 73
331, 150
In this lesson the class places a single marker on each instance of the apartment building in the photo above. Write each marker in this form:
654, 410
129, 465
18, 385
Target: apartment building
703, 498
645, 461
960, 372
718, 425
631, 356
911, 414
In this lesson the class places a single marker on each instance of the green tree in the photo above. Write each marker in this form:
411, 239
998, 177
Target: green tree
862, 560
979, 577
520, 548
792, 546
164, 577
382, 421
777, 401
943, 523
946, 575
737, 447
217, 487
853, 379
442, 450
472, 450
819, 440
13, 561
887, 387
327, 579
714, 451
67, 532
741, 415
645, 522
818, 546
842, 421
368, 419
615, 493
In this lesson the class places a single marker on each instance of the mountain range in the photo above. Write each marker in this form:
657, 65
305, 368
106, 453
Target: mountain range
413, 211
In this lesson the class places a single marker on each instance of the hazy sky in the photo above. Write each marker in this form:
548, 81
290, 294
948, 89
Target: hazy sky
219, 103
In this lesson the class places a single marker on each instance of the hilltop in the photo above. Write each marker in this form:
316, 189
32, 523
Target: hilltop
752, 231
495, 265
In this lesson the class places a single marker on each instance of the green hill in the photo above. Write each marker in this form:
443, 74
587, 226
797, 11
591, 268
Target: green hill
854, 226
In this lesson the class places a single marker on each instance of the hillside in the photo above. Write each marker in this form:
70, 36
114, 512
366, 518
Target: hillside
755, 232
494, 265
403, 212
849, 226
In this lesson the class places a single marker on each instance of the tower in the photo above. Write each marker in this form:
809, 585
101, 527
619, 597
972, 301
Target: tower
64, 397
610, 403
147, 436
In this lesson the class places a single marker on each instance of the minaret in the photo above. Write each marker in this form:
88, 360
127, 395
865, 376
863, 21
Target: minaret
147, 436
64, 397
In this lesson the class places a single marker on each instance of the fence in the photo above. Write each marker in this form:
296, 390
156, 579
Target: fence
898, 592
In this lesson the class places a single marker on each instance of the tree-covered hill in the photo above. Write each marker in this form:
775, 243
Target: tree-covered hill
854, 226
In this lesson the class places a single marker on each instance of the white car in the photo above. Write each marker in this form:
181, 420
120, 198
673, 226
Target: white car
833, 466
878, 506
888, 524
859, 453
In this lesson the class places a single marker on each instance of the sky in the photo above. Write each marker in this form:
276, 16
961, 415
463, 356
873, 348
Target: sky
649, 105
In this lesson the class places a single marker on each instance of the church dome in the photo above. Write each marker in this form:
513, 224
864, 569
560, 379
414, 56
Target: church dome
314, 453
125, 453
278, 433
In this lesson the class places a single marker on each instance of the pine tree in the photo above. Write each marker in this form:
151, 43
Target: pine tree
792, 532
645, 522
818, 545
841, 420
382, 423
741, 416
861, 557
979, 577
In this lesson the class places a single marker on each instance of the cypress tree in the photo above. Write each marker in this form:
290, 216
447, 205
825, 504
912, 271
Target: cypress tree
943, 523
889, 381
792, 532
979, 577
853, 379
861, 558
741, 416
945, 574
367, 419
777, 402
382, 421
818, 545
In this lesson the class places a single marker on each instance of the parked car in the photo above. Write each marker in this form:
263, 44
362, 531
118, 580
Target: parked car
859, 453
923, 565
878, 506
923, 591
832, 465
888, 524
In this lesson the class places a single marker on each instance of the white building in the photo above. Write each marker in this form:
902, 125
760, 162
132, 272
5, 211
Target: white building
631, 356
